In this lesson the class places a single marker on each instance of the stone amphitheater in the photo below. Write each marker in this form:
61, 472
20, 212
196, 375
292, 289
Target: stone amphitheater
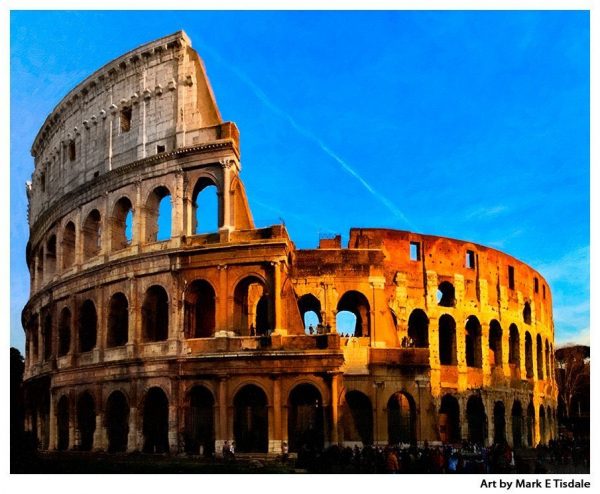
138, 340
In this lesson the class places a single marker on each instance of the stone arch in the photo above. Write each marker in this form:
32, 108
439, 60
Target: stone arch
122, 224
88, 325
449, 419
547, 360
401, 418
206, 190
355, 302
528, 355
158, 213
527, 313
62, 423
155, 418
251, 420
51, 256
92, 234
86, 420
118, 320
499, 423
357, 418
447, 340
539, 357
517, 424
306, 418
495, 344
117, 421
477, 420
199, 310
253, 307
64, 332
309, 303
446, 294
514, 346
543, 425
199, 421
473, 342
39, 275
418, 328
155, 314
68, 245
47, 335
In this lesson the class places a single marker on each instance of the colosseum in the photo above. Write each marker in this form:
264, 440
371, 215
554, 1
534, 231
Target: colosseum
146, 337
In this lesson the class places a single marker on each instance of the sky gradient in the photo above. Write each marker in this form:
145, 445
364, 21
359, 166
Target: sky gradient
471, 125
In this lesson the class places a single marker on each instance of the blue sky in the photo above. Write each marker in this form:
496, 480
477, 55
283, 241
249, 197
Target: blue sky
473, 125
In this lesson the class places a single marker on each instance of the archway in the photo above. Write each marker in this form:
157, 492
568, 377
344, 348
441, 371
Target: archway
86, 421
477, 420
62, 424
92, 235
499, 423
158, 215
117, 422
543, 425
447, 340
449, 420
514, 347
156, 421
250, 421
401, 415
88, 321
539, 357
358, 418
473, 342
199, 310
68, 245
252, 307
310, 310
517, 424
446, 294
528, 355
155, 314
205, 200
199, 422
305, 419
495, 344
64, 332
118, 321
122, 220
356, 303
418, 328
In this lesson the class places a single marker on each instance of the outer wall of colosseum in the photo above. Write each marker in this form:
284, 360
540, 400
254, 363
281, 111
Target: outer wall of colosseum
141, 340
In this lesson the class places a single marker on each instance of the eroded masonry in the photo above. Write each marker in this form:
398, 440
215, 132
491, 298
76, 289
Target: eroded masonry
137, 340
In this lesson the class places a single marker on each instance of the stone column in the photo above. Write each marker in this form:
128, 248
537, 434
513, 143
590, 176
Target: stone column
178, 228
173, 427
461, 356
100, 438
132, 435
221, 429
227, 225
485, 353
335, 408
137, 235
276, 439
277, 297
52, 443
464, 422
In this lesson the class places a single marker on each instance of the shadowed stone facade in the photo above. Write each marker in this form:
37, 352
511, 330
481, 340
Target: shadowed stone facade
137, 340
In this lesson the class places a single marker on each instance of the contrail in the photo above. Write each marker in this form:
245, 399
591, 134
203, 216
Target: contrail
309, 135
298, 217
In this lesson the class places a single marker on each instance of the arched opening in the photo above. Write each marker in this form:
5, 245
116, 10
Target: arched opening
199, 310
514, 344
418, 328
530, 425
121, 230
358, 418
549, 424
118, 321
449, 420
527, 313
40, 266
88, 321
206, 207
446, 295
252, 309
539, 357
345, 323
34, 329
542, 425
447, 340
51, 256
310, 310
47, 337
547, 360
199, 420
86, 421
517, 424
356, 303
64, 332
250, 421
62, 424
68, 245
305, 418
92, 235
499, 423
473, 342
495, 344
477, 420
401, 415
155, 314
158, 215
528, 355
156, 421
117, 422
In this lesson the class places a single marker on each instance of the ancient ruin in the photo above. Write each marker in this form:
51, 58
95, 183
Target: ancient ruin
137, 340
